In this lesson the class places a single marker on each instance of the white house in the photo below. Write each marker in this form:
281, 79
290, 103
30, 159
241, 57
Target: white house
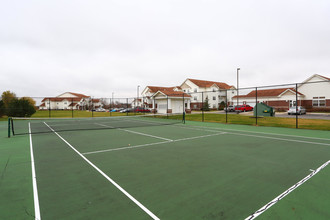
200, 90
69, 100
314, 93
171, 101
280, 98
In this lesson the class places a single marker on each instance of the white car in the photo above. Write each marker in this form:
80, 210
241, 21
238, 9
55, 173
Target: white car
300, 110
100, 110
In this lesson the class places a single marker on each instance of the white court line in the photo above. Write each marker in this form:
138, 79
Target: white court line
256, 132
135, 132
278, 198
34, 181
274, 138
151, 144
106, 176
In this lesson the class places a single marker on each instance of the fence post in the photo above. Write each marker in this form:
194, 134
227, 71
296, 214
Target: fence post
256, 107
110, 108
202, 106
72, 107
167, 106
226, 109
296, 105
127, 106
92, 108
49, 109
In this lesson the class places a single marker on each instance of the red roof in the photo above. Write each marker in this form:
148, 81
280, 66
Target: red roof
267, 93
172, 93
325, 77
205, 83
159, 88
59, 99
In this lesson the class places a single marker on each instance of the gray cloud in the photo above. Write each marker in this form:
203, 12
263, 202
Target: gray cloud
100, 47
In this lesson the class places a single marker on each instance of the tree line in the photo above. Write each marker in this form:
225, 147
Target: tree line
12, 106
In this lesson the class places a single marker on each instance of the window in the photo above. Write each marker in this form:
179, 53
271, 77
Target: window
214, 106
213, 89
195, 106
318, 101
214, 98
195, 97
65, 103
195, 90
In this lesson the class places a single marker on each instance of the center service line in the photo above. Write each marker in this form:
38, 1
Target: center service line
107, 177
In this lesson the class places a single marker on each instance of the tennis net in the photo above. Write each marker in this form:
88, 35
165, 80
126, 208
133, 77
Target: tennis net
21, 126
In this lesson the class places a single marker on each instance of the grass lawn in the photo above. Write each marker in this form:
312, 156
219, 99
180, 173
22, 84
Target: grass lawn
317, 124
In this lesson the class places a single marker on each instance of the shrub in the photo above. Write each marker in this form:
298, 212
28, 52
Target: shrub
20, 108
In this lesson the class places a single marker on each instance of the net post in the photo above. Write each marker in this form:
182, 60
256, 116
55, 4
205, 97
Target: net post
226, 106
256, 107
9, 123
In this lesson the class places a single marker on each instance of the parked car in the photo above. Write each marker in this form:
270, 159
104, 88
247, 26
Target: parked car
100, 110
126, 110
243, 108
300, 110
139, 109
230, 108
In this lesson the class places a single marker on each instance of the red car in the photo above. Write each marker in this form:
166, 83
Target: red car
243, 108
138, 109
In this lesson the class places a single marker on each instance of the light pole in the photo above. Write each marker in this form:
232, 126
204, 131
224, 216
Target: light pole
238, 69
137, 100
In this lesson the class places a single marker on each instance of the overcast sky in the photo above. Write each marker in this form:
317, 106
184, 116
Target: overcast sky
98, 47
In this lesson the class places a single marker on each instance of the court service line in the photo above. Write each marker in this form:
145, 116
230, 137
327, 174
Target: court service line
34, 180
106, 176
257, 132
285, 193
276, 138
151, 144
135, 132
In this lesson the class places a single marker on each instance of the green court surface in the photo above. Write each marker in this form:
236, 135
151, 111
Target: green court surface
173, 171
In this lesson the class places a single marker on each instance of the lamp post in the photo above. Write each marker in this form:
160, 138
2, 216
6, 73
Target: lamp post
137, 100
238, 69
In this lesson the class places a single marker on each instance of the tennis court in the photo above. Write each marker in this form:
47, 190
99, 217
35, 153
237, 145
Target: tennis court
129, 168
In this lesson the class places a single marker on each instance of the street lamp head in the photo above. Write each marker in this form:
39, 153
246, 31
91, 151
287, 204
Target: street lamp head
238, 68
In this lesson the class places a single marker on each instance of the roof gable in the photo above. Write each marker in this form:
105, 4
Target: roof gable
269, 93
206, 84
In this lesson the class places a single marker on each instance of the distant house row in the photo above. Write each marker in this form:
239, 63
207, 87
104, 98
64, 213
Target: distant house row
314, 92
70, 100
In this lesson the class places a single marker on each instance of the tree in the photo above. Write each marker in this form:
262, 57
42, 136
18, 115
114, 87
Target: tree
30, 100
7, 97
2, 108
206, 105
222, 105
20, 108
